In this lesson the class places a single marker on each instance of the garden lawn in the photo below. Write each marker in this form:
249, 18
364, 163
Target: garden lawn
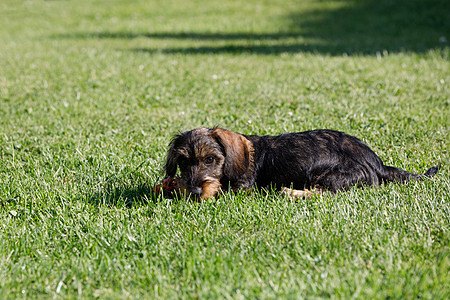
92, 91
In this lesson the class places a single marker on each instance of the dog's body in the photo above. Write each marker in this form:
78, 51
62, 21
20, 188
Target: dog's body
319, 159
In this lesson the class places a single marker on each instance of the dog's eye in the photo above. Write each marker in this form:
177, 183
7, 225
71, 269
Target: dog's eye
209, 160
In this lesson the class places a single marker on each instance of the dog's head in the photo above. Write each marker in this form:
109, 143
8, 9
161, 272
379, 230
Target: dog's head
207, 158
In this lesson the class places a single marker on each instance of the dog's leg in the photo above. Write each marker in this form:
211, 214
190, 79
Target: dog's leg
291, 193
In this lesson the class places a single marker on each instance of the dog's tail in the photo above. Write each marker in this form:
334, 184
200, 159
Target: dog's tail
395, 174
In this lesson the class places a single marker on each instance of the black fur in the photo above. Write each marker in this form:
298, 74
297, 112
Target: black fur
321, 158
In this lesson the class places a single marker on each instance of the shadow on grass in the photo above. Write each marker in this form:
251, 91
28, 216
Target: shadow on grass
124, 196
235, 36
353, 27
368, 26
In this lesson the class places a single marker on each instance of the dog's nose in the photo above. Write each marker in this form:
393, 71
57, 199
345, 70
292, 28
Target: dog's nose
196, 190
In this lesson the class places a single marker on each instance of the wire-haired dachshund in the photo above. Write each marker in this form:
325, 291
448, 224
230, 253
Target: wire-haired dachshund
300, 163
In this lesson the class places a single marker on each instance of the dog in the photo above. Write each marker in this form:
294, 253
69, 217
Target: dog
300, 164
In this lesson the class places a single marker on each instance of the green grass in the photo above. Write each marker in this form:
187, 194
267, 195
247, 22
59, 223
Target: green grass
92, 91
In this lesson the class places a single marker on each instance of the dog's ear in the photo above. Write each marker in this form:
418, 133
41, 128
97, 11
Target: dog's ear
237, 153
171, 163
172, 157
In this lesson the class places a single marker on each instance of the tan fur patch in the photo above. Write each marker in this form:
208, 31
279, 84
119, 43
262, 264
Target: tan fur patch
211, 188
239, 150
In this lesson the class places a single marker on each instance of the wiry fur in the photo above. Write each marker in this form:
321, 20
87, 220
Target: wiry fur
322, 159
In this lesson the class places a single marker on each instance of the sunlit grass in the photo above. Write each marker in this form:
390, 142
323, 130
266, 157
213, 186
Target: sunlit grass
92, 91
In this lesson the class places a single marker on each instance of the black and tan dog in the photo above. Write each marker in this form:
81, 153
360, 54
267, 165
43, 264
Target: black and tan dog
300, 163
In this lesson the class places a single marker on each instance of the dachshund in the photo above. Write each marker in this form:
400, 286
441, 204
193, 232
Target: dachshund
300, 164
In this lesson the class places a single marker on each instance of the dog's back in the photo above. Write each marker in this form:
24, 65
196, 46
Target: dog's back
322, 158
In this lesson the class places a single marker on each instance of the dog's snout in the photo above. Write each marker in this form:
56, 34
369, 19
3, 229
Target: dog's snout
196, 190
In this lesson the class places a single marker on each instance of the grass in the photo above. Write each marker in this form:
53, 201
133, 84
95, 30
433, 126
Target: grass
92, 91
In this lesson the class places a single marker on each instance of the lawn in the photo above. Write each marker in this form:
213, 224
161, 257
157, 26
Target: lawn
92, 91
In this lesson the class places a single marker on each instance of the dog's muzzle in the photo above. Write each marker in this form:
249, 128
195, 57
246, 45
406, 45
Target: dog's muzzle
196, 190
